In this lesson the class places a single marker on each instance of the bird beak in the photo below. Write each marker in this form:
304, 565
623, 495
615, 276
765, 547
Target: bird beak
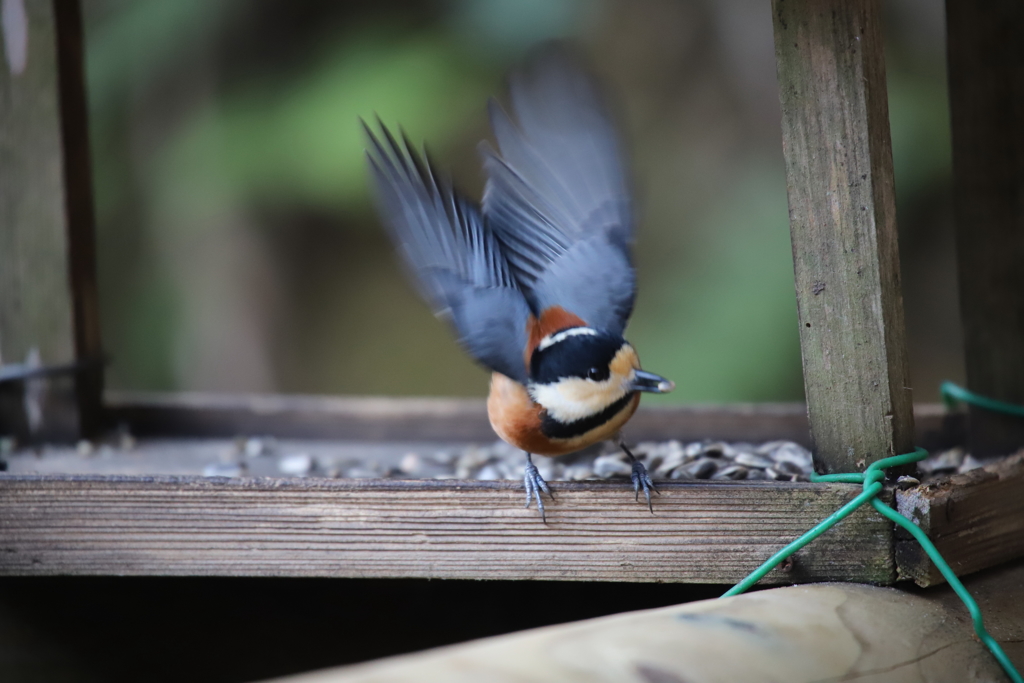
648, 381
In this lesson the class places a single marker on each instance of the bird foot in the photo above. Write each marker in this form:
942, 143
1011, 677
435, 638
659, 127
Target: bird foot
642, 481
535, 484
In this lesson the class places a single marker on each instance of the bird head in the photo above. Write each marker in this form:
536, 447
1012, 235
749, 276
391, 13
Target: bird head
578, 372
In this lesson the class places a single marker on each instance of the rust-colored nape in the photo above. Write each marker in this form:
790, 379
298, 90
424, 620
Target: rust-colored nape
551, 320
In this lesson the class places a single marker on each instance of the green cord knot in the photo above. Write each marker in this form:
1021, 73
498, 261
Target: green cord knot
871, 479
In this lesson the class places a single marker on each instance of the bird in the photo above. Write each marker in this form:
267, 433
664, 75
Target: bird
537, 279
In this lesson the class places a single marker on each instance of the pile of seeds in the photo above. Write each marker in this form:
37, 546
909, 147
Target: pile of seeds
270, 457
776, 460
666, 460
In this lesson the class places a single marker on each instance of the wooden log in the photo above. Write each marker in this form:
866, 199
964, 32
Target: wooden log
415, 419
986, 93
975, 519
801, 634
701, 532
47, 265
835, 128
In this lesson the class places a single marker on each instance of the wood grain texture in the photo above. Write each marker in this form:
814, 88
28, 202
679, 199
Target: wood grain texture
986, 90
835, 127
714, 532
976, 521
445, 419
47, 269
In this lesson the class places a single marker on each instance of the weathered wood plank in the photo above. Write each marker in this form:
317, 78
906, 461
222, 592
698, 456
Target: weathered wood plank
415, 419
835, 127
986, 91
713, 532
976, 521
47, 264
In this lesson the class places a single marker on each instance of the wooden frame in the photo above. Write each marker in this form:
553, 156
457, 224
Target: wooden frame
842, 215
48, 303
976, 520
413, 419
704, 532
840, 186
708, 532
986, 95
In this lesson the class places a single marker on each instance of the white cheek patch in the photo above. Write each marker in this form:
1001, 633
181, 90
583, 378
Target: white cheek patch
572, 398
553, 339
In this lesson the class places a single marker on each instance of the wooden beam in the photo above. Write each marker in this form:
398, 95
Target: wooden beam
835, 129
975, 519
797, 634
713, 532
418, 419
986, 93
47, 264
443, 419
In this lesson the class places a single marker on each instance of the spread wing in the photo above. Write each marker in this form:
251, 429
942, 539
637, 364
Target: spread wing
556, 195
452, 256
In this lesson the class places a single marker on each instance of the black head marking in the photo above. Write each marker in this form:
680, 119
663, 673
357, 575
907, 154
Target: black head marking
587, 356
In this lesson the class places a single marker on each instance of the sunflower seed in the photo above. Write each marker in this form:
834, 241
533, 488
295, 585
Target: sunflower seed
789, 467
906, 482
715, 449
793, 453
488, 473
969, 463
731, 472
578, 472
296, 464
223, 469
606, 466
751, 460
704, 468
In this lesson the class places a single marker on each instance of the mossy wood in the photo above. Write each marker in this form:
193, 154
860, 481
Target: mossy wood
712, 532
47, 262
976, 520
835, 126
986, 92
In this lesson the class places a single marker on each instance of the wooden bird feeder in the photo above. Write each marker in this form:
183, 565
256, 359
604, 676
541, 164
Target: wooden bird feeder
859, 403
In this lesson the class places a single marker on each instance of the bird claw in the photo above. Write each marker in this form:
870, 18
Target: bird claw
535, 484
642, 480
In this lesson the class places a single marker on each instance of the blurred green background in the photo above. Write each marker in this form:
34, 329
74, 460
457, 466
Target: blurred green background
239, 251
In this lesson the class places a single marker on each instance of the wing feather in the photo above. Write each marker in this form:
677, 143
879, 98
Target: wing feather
451, 255
556, 195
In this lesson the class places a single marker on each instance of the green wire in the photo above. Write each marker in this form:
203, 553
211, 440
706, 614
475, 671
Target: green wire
953, 394
872, 481
958, 588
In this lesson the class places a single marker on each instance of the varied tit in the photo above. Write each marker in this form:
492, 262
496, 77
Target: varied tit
537, 281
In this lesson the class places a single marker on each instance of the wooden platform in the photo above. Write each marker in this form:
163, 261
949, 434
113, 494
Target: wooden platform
108, 513
705, 532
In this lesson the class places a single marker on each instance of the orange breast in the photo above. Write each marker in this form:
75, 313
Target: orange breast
516, 419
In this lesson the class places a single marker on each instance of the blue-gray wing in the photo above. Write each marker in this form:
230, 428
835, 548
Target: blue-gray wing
557, 196
451, 255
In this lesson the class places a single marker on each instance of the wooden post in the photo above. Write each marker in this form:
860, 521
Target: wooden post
835, 130
986, 92
47, 265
